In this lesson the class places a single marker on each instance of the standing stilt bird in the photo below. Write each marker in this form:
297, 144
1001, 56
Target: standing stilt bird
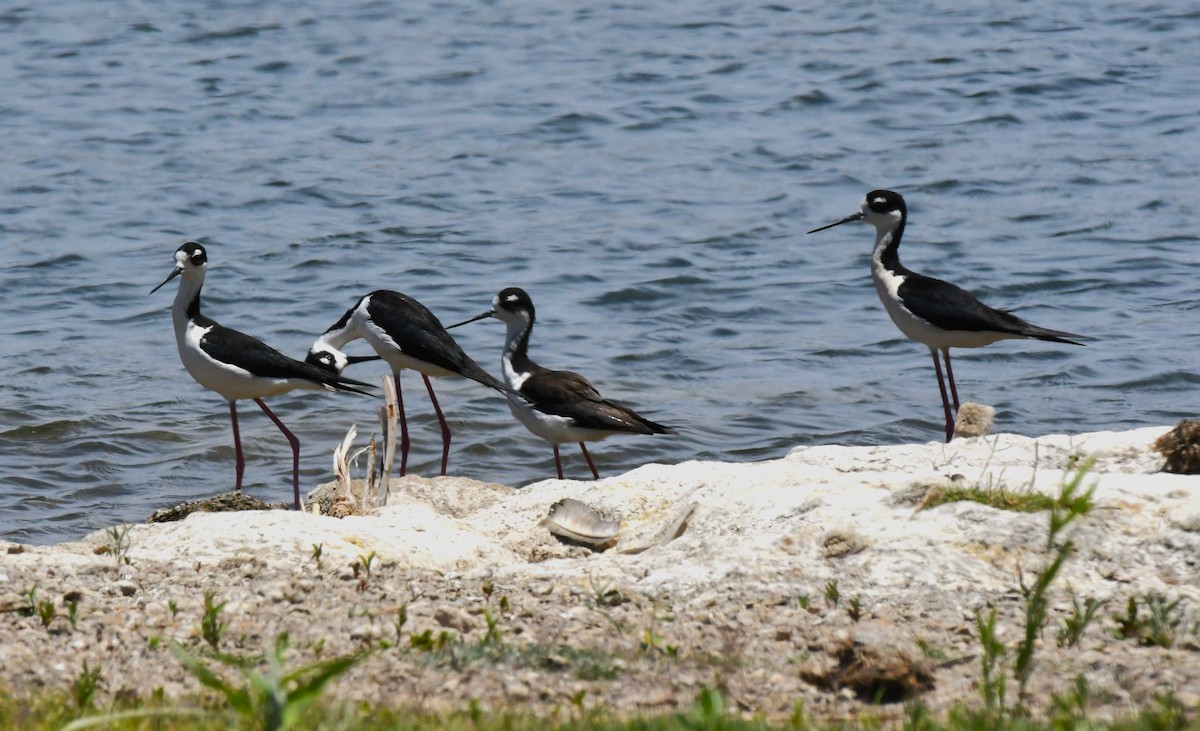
234, 364
405, 334
939, 314
558, 406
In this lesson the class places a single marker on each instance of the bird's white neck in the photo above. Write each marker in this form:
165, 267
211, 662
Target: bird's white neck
187, 300
514, 361
332, 340
883, 243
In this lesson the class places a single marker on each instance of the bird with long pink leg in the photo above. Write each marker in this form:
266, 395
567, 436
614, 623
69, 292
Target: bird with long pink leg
235, 365
407, 336
558, 406
938, 314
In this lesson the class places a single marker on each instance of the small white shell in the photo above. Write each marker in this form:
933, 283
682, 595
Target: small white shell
576, 521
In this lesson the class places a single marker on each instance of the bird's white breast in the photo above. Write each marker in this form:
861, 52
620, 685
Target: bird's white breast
888, 283
231, 381
513, 378
552, 428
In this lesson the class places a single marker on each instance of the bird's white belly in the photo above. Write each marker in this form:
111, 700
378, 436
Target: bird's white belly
554, 429
918, 328
230, 381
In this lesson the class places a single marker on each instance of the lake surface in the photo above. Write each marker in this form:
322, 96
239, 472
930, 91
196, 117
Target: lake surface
645, 170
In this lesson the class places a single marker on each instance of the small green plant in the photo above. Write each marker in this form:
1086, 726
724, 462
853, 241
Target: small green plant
1169, 712
31, 604
1070, 629
428, 642
73, 611
804, 601
362, 569
832, 596
46, 612
172, 607
995, 496
83, 688
993, 685
119, 543
277, 698
367, 561
584, 664
317, 550
932, 651
212, 627
710, 711
494, 634
399, 622
1155, 628
1072, 503
1130, 626
1070, 708
800, 721
654, 643
854, 609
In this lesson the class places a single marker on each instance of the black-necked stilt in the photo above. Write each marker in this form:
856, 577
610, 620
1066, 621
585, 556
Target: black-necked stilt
558, 406
234, 364
407, 335
939, 314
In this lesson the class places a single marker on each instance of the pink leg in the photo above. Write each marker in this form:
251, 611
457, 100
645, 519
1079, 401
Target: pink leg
588, 457
442, 421
403, 426
937, 366
237, 445
295, 448
557, 461
950, 377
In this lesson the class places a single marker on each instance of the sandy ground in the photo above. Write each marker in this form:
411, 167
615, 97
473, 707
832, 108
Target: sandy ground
820, 578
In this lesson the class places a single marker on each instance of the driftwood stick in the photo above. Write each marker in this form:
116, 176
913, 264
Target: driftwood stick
388, 416
368, 491
341, 462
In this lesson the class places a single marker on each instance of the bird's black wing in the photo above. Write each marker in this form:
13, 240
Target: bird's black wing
251, 354
951, 307
570, 395
420, 334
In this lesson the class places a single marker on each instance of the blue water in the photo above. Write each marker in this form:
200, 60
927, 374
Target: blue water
645, 170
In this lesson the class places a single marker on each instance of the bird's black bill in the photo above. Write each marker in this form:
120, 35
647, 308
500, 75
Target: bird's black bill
175, 273
352, 359
856, 217
343, 384
482, 315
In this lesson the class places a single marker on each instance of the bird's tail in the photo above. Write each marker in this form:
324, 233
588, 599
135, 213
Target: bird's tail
1054, 336
658, 428
634, 418
473, 371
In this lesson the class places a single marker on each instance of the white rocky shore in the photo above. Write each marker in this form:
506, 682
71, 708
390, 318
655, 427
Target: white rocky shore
741, 600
